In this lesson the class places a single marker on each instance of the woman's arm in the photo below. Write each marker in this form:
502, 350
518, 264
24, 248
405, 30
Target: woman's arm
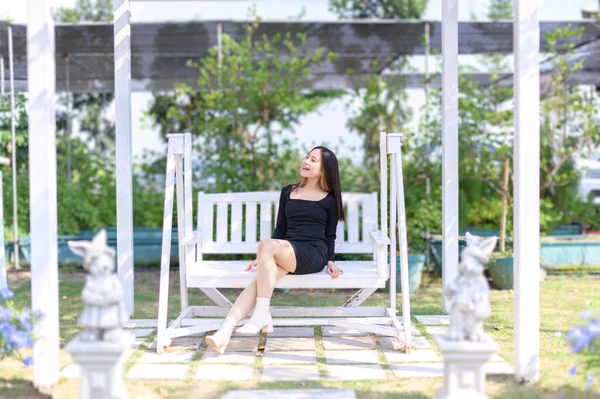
281, 226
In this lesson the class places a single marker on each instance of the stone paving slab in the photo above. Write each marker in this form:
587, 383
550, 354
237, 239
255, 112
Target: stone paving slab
351, 356
331, 393
394, 343
72, 371
290, 344
166, 357
158, 371
292, 332
141, 332
424, 355
417, 370
348, 343
290, 373
137, 342
433, 320
414, 332
223, 372
290, 357
229, 357
237, 344
433, 330
329, 331
355, 372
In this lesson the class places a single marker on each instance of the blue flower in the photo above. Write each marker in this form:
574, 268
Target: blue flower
28, 361
572, 371
25, 321
5, 314
6, 294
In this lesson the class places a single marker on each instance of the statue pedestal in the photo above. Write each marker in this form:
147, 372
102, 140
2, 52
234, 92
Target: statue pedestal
464, 374
101, 366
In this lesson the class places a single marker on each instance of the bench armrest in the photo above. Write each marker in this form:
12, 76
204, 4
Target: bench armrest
193, 239
379, 238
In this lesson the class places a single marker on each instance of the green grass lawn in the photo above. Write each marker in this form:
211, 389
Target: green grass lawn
561, 302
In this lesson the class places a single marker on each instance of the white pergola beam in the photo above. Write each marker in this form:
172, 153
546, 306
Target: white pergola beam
526, 190
124, 152
449, 141
42, 189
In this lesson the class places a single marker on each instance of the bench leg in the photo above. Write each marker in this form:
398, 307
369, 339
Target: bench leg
162, 339
359, 297
215, 295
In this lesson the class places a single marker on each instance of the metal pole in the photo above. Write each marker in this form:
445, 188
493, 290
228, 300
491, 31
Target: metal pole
13, 148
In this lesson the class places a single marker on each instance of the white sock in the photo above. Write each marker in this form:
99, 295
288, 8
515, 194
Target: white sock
262, 305
230, 322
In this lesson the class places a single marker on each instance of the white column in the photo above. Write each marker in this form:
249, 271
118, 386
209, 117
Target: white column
3, 279
526, 190
449, 140
42, 188
122, 31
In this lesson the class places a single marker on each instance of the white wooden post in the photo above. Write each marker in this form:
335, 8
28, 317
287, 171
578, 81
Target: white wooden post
526, 190
3, 279
188, 223
395, 146
42, 189
449, 141
122, 43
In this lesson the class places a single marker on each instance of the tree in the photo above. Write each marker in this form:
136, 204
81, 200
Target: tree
383, 102
386, 9
247, 99
570, 122
91, 108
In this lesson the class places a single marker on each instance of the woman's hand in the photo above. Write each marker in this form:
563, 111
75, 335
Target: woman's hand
251, 265
333, 270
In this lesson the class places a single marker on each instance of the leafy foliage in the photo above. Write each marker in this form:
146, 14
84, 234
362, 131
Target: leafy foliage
388, 9
248, 100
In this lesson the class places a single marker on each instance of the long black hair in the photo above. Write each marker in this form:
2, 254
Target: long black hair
330, 178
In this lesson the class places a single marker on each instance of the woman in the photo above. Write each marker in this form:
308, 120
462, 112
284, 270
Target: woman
303, 242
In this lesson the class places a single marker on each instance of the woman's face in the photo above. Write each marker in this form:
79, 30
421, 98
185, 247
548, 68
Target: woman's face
311, 165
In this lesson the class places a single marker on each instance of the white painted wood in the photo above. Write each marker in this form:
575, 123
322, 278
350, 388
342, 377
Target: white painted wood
359, 297
300, 311
186, 331
141, 323
251, 237
449, 141
188, 219
222, 222
181, 230
353, 222
215, 295
165, 257
304, 321
122, 43
393, 224
13, 122
265, 220
185, 313
3, 278
206, 217
379, 239
526, 191
42, 190
231, 274
383, 201
371, 328
402, 239
369, 217
236, 222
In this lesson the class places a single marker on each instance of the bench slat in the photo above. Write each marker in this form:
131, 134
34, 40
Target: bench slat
265, 220
236, 222
251, 223
222, 222
353, 222
230, 274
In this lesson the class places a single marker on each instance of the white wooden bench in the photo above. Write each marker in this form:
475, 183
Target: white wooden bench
234, 223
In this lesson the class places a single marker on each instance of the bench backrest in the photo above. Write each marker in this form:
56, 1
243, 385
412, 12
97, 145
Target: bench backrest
234, 223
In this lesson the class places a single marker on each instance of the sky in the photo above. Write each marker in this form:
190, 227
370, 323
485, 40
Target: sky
333, 117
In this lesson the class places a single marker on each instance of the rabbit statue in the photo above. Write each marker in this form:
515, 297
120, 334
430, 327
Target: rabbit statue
467, 297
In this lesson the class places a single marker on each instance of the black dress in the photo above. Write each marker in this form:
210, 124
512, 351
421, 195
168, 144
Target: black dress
310, 227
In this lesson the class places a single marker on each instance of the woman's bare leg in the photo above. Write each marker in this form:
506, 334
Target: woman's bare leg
272, 255
246, 301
